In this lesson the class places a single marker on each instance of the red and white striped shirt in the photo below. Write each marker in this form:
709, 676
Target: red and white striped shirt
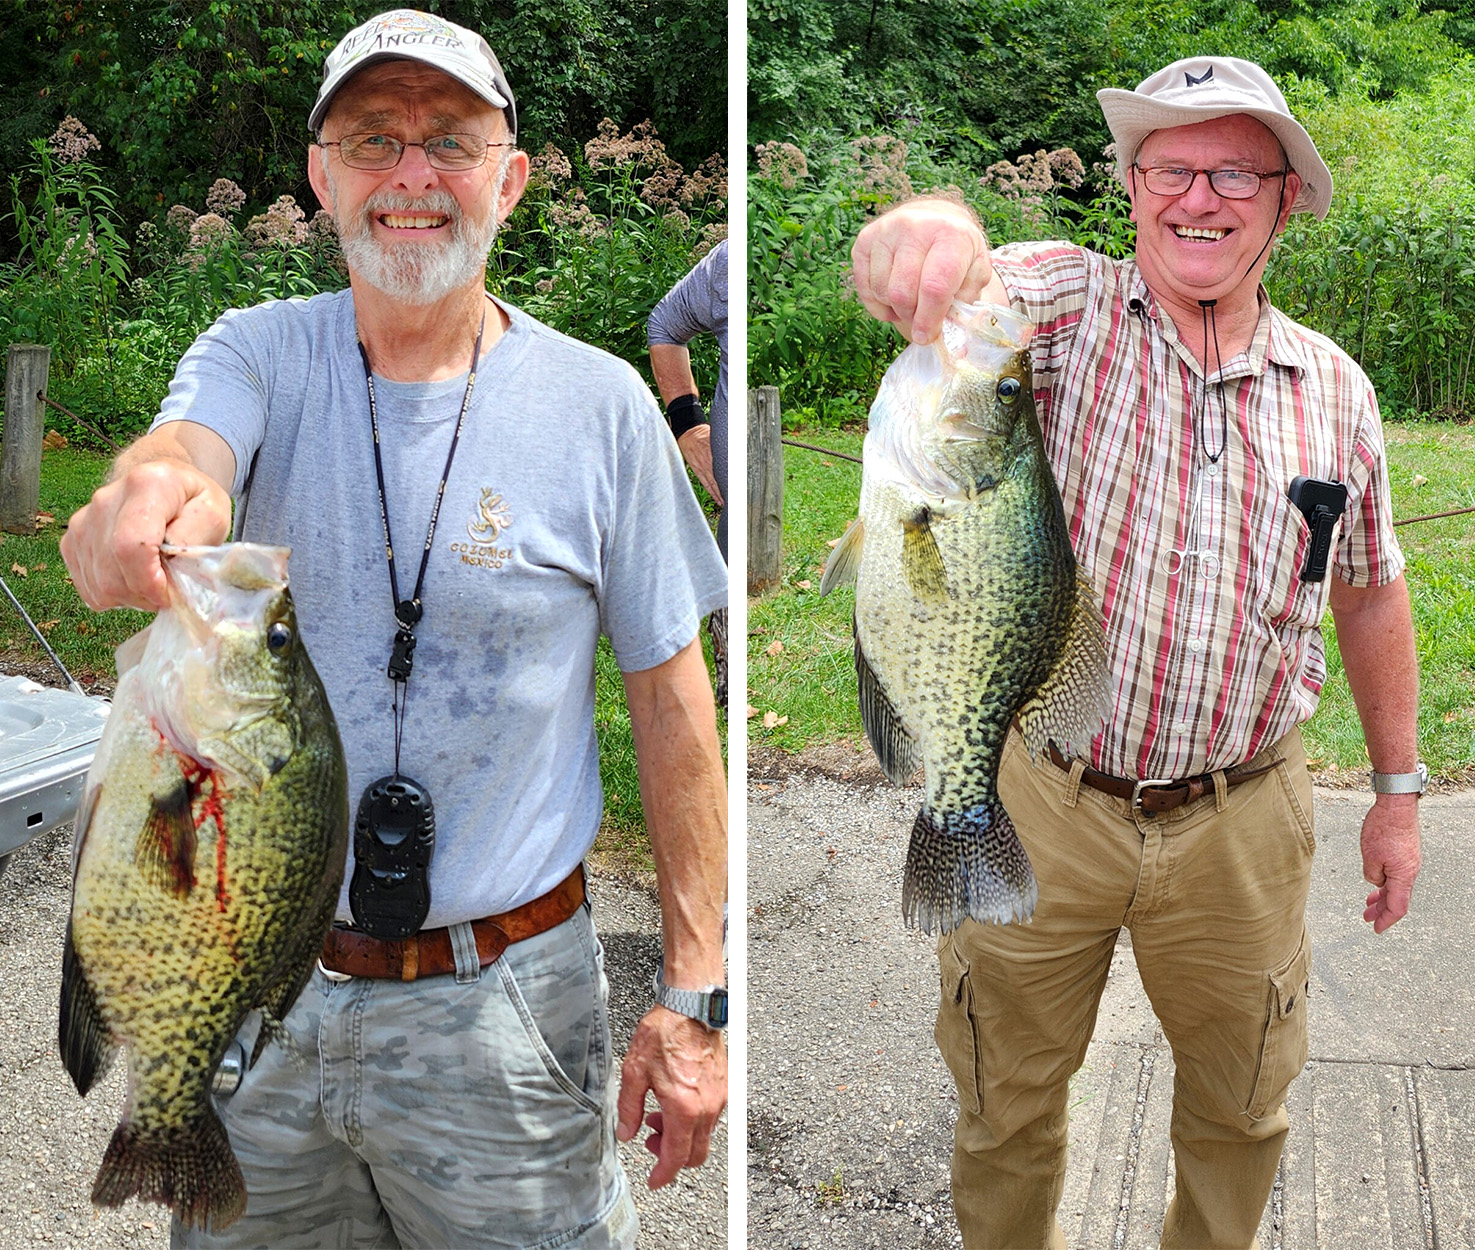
1214, 641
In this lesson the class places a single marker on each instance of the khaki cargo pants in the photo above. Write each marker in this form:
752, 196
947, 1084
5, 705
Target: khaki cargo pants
1214, 894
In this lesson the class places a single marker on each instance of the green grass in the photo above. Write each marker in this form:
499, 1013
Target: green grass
85, 641
810, 679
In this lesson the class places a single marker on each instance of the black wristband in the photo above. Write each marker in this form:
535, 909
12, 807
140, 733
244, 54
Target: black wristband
685, 413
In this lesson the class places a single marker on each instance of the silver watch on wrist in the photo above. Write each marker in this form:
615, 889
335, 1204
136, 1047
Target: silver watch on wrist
707, 1005
1402, 783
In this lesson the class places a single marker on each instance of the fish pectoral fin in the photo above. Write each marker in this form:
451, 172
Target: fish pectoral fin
1073, 699
844, 562
921, 561
165, 851
897, 750
86, 1043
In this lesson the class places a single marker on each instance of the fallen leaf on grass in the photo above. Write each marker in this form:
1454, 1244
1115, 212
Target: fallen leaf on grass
773, 648
752, 711
1420, 479
772, 720
38, 568
834, 542
19, 570
804, 585
44, 518
48, 625
84, 628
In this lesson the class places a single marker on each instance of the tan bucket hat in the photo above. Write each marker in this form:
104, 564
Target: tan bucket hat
1200, 89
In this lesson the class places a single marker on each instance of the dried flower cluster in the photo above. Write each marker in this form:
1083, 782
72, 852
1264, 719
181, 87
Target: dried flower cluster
880, 162
549, 168
283, 225
1030, 179
707, 183
71, 142
208, 231
574, 214
712, 234
179, 218
782, 163
611, 150
224, 198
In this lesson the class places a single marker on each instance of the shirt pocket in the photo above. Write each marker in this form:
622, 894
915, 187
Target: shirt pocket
1279, 539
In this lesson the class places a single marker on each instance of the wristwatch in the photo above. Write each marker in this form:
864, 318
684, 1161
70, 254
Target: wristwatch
707, 1005
1402, 783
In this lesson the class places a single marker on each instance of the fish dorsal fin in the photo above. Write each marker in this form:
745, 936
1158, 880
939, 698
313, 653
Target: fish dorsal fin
1070, 703
844, 562
921, 561
897, 750
165, 851
87, 1047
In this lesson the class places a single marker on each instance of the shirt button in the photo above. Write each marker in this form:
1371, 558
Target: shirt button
1180, 728
1196, 645
1212, 470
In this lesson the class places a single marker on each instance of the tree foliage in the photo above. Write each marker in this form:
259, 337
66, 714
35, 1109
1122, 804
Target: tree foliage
182, 92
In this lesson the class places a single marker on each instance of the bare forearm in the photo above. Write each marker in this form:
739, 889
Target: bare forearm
671, 365
1376, 638
195, 445
684, 793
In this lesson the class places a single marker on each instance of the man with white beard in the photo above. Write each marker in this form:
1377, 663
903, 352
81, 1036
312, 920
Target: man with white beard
460, 1092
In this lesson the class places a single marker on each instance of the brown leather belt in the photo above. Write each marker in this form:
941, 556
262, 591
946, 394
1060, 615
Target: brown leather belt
1156, 797
352, 952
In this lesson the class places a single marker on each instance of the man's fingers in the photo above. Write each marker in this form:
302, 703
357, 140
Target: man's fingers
631, 1103
674, 1142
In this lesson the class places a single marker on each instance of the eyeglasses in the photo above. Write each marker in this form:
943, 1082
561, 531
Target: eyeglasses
1232, 184
448, 152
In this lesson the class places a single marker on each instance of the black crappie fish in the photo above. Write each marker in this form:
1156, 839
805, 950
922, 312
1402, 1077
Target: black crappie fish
210, 848
969, 610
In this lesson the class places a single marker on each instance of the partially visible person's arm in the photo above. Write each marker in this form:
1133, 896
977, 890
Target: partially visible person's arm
911, 263
171, 485
1375, 634
684, 793
671, 364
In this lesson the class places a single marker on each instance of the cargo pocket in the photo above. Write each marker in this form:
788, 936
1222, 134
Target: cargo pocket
1284, 1049
955, 1029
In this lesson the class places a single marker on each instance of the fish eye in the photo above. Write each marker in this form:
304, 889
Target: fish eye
279, 638
1007, 390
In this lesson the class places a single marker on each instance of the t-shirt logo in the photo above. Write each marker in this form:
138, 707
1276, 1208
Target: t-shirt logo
490, 519
1191, 81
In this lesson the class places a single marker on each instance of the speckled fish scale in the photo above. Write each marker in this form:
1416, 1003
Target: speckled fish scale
211, 845
969, 612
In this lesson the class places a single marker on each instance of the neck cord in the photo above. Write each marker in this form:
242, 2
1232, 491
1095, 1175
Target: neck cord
1211, 325
407, 612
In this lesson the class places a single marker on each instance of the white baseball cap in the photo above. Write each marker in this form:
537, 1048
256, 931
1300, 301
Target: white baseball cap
406, 34
1200, 89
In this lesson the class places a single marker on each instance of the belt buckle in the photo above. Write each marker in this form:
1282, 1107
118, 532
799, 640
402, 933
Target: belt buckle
1139, 786
333, 975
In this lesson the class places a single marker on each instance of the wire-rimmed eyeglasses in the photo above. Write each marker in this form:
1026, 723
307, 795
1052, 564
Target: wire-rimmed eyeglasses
1232, 184
448, 152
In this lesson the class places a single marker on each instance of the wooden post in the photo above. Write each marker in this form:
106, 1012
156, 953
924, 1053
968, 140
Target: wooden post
27, 367
765, 490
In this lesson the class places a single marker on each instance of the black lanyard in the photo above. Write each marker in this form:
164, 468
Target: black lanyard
407, 612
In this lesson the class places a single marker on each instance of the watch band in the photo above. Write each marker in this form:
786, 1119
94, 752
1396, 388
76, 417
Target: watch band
1402, 783
707, 1005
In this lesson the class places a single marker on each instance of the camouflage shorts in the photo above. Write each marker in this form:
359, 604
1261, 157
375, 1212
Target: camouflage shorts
436, 1114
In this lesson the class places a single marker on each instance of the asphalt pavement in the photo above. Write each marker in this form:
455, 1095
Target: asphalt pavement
51, 1141
850, 1108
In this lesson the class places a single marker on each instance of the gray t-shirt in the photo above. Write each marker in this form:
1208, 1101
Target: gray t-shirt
566, 515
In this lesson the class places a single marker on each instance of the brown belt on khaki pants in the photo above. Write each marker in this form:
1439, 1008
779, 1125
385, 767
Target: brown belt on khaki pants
1157, 796
352, 952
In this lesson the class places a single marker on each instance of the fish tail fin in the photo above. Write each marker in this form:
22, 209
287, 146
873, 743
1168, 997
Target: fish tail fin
194, 1172
966, 864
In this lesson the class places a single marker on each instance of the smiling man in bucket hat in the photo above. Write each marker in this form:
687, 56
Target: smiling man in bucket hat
1181, 412
448, 1079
